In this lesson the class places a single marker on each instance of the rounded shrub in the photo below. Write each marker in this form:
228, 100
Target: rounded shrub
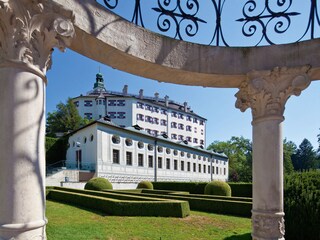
98, 184
145, 184
218, 188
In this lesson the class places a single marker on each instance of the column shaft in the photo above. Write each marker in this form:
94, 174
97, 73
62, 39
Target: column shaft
267, 212
22, 158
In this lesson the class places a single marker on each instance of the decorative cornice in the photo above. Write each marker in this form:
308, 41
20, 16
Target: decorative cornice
266, 92
29, 32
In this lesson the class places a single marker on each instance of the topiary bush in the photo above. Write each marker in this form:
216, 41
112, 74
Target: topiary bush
217, 188
98, 184
145, 184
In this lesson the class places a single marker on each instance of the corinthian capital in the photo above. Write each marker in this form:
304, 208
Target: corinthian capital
266, 92
29, 32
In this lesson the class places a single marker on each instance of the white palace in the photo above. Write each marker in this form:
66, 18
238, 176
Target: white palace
155, 115
135, 138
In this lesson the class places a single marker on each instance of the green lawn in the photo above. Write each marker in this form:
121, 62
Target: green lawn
70, 223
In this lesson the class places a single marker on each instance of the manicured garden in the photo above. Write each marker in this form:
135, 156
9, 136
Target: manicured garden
69, 222
164, 212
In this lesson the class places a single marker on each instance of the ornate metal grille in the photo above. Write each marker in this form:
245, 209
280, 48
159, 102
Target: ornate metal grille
262, 22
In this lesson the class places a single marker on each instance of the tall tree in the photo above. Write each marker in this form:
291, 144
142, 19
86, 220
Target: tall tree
319, 144
305, 157
289, 148
239, 152
65, 118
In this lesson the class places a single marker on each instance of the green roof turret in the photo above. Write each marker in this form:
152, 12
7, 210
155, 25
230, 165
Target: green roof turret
99, 81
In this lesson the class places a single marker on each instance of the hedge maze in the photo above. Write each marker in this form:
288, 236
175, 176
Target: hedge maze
147, 202
120, 204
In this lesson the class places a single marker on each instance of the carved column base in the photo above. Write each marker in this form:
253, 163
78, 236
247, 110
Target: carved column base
267, 225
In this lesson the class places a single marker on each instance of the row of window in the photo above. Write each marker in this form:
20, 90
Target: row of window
188, 118
152, 120
120, 103
163, 122
173, 114
116, 140
151, 108
168, 163
119, 115
175, 136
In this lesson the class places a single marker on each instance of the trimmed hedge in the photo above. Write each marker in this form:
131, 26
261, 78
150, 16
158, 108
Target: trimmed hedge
191, 187
145, 185
302, 205
141, 206
107, 194
98, 184
237, 189
218, 188
241, 189
182, 194
213, 204
163, 192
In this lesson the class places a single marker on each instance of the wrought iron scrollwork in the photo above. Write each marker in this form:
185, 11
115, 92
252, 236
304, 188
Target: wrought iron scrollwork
218, 34
281, 19
313, 20
261, 21
112, 4
178, 12
137, 15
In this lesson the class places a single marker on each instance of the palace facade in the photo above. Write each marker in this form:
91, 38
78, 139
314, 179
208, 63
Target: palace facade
131, 154
155, 115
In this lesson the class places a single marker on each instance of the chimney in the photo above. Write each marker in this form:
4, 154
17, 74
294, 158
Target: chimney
141, 93
185, 105
156, 96
166, 98
125, 90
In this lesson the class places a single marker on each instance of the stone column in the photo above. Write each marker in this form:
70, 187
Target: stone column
28, 32
266, 93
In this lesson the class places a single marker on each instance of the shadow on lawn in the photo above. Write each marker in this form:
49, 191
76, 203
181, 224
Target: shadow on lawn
245, 236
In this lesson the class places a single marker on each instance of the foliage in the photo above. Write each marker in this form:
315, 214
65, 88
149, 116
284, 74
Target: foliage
305, 157
145, 184
68, 223
237, 189
241, 189
121, 205
289, 148
207, 203
217, 188
98, 184
239, 152
191, 187
302, 205
66, 118
318, 143
56, 149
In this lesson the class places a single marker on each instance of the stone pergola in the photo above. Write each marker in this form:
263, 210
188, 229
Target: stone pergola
265, 76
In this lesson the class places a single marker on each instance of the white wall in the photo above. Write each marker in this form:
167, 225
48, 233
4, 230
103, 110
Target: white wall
87, 138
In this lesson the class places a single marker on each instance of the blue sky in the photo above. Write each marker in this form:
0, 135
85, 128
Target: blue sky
73, 74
